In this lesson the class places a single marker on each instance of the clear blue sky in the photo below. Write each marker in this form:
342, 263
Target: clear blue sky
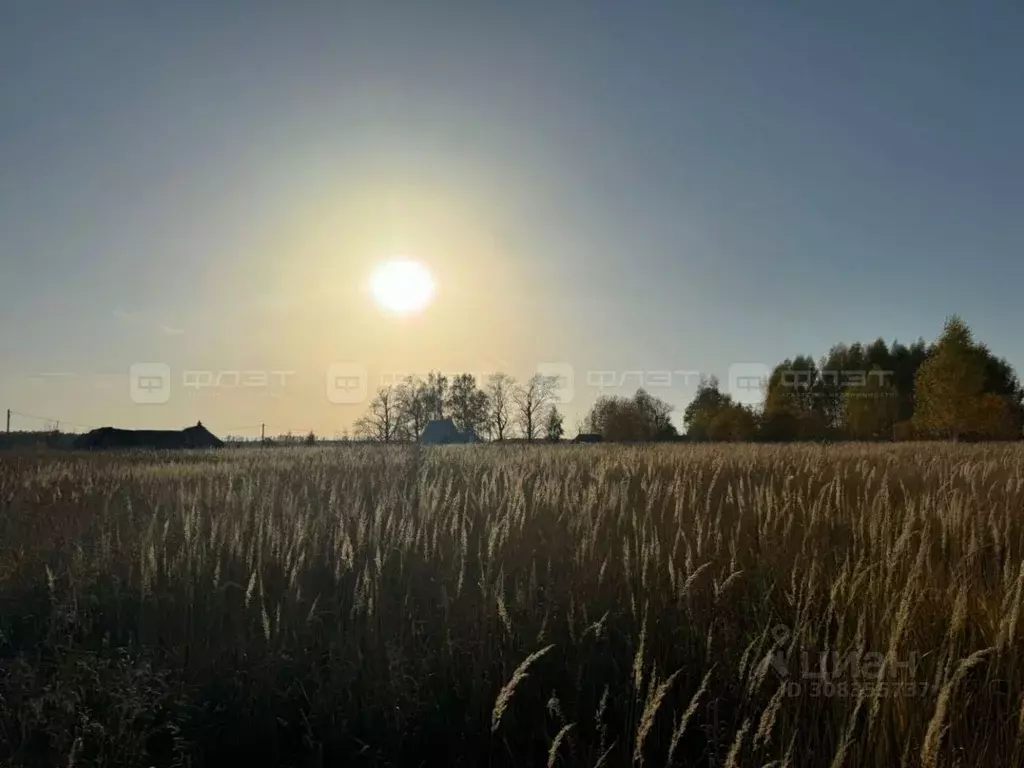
612, 185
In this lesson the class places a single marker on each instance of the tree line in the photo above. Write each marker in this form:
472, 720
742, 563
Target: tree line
499, 409
954, 388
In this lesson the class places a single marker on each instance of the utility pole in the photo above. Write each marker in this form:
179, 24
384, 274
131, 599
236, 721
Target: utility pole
8, 419
263, 429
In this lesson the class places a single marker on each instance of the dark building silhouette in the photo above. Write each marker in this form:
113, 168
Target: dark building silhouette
587, 437
109, 437
444, 432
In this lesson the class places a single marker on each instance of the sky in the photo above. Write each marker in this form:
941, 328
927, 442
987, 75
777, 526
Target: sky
630, 192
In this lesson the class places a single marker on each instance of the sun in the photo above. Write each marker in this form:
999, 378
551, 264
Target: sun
402, 286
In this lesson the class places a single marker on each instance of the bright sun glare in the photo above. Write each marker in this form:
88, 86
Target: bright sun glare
402, 286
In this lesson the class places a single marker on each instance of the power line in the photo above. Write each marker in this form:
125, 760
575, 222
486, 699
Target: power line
50, 419
282, 430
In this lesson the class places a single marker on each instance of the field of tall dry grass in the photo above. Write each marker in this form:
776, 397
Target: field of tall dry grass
500, 606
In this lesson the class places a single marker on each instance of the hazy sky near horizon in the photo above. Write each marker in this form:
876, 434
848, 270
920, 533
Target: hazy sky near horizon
614, 186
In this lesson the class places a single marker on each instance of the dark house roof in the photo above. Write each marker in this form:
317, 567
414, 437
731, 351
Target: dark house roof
444, 432
108, 437
587, 437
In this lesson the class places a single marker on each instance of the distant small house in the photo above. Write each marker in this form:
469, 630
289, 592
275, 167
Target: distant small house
109, 437
444, 432
587, 437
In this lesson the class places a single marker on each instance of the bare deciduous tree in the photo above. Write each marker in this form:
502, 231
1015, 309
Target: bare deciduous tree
436, 394
383, 421
532, 399
414, 406
499, 390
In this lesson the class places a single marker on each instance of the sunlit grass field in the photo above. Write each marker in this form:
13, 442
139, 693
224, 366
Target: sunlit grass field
498, 606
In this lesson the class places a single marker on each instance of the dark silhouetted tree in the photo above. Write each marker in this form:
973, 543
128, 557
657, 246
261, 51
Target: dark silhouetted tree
436, 394
531, 400
414, 406
702, 410
793, 408
467, 404
733, 423
906, 362
640, 418
553, 429
383, 420
499, 390
871, 410
654, 415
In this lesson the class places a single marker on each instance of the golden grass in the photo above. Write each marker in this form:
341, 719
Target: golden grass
368, 604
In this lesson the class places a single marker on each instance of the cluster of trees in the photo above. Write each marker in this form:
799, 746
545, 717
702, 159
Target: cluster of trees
953, 389
504, 409
500, 409
641, 418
